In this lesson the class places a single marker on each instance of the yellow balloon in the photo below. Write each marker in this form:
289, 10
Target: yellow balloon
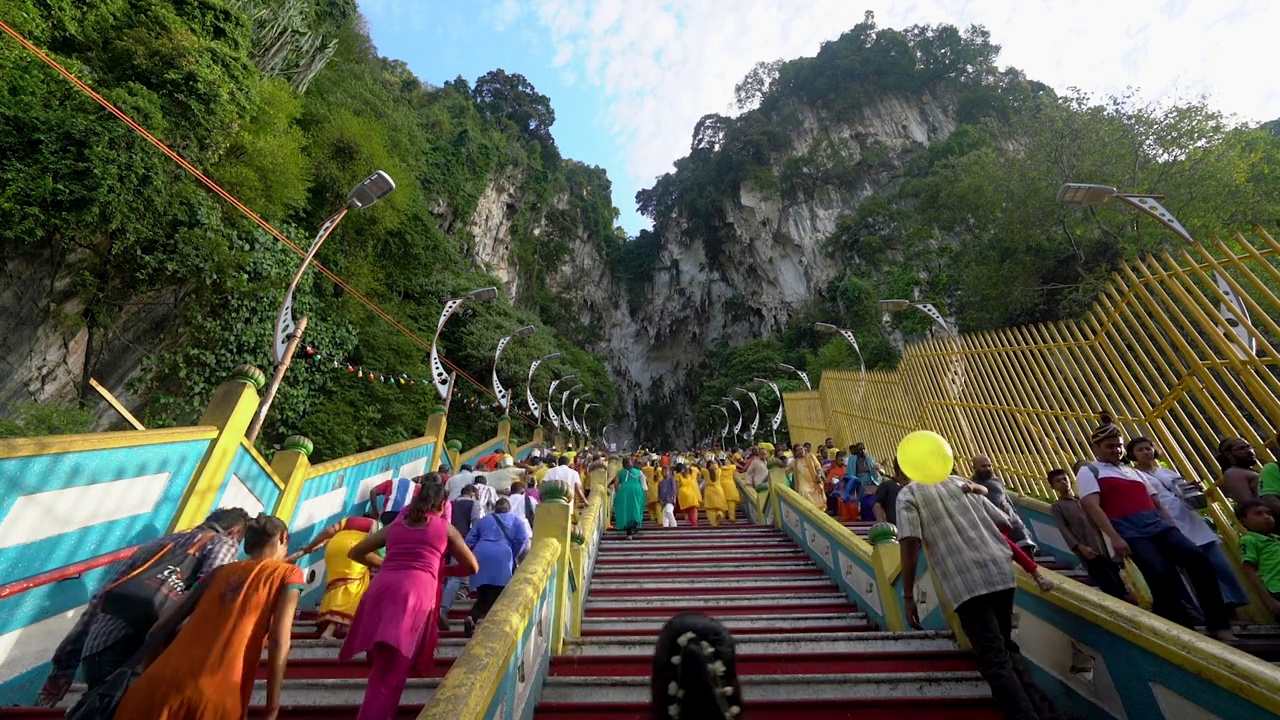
925, 457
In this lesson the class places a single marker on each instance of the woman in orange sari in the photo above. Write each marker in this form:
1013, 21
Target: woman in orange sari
808, 476
345, 579
207, 671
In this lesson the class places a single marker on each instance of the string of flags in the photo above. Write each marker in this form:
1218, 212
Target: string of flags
310, 352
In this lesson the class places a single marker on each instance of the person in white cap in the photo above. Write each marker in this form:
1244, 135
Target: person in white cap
507, 473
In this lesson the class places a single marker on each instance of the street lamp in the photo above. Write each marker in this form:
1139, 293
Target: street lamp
755, 424
573, 413
898, 305
504, 398
444, 383
528, 387
1095, 195
848, 335
583, 422
288, 333
737, 428
564, 400
777, 418
724, 435
551, 411
803, 375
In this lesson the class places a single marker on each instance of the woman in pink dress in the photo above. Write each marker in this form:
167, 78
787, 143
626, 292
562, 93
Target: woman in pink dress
396, 623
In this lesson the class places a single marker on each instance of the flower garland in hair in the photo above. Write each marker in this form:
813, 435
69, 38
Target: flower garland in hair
715, 665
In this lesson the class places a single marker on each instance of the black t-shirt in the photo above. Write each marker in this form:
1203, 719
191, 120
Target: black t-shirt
462, 508
887, 497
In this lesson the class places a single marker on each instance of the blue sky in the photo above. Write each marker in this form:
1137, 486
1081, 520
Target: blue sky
629, 78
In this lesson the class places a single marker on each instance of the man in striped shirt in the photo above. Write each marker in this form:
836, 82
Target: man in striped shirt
103, 643
398, 493
961, 532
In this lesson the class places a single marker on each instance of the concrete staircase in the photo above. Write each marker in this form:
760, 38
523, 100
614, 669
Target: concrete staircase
803, 649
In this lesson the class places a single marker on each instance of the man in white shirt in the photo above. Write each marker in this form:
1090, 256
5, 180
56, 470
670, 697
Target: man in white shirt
455, 484
564, 473
522, 505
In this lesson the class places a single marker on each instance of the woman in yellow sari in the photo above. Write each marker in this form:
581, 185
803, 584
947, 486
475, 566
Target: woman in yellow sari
712, 495
808, 477
688, 496
345, 579
726, 477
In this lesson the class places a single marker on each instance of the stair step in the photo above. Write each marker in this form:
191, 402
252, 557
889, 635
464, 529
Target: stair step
691, 545
676, 566
839, 620
718, 587
310, 693
952, 708
791, 662
775, 596
815, 686
713, 555
749, 642
802, 569
665, 611
316, 649
300, 712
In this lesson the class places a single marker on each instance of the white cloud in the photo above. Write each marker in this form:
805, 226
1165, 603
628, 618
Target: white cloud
659, 65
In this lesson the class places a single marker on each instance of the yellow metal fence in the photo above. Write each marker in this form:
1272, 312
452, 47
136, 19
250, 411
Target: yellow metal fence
1158, 350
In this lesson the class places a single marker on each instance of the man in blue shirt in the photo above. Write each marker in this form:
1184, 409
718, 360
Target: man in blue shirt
860, 480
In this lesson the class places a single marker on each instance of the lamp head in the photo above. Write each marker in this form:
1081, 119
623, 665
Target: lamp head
488, 293
786, 368
825, 327
370, 190
760, 380
552, 356
525, 331
575, 388
1085, 194
892, 306
741, 390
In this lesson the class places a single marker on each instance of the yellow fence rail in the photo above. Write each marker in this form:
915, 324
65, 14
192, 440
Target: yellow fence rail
1178, 347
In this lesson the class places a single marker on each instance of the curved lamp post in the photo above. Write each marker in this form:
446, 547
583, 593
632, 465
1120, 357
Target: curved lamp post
724, 435
848, 335
504, 398
1231, 309
777, 418
956, 378
288, 333
737, 428
551, 411
564, 399
573, 413
803, 375
586, 431
443, 381
755, 423
528, 387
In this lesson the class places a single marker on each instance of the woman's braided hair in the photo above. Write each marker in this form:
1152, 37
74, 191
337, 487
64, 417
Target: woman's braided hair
430, 498
695, 674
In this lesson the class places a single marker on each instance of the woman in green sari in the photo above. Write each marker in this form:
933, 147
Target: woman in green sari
629, 497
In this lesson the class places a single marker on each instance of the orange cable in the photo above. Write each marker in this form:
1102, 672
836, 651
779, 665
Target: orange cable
234, 201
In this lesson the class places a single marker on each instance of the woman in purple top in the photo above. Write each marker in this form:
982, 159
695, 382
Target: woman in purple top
396, 623
499, 541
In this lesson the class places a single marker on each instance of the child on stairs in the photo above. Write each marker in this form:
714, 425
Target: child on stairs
667, 496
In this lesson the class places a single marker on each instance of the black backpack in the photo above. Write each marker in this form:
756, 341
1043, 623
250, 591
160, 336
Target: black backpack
141, 597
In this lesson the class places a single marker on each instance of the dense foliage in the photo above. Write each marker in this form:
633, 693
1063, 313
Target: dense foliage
287, 105
971, 222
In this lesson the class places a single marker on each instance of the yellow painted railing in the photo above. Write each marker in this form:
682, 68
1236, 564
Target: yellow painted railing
1154, 350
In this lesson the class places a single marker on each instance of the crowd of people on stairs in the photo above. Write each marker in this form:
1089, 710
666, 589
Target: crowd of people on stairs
393, 574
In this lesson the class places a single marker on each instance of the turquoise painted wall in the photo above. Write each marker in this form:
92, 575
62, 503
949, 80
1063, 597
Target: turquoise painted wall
88, 503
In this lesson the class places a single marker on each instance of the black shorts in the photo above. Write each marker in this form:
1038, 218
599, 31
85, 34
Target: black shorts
389, 516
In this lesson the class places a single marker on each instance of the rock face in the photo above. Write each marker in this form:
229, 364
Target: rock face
48, 353
773, 257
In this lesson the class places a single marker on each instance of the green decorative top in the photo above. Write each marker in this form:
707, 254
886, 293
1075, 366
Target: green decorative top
555, 491
881, 533
300, 443
454, 445
249, 375
576, 537
439, 410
